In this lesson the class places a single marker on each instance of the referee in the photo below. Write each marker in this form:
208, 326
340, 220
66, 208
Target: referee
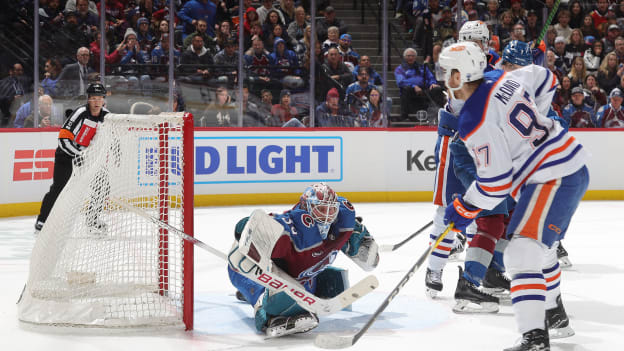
74, 137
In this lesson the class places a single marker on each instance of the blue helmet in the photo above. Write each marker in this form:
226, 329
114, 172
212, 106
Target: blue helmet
518, 52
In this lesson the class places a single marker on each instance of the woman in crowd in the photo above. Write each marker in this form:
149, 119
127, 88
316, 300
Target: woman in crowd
562, 96
599, 95
576, 14
376, 107
577, 72
53, 69
609, 73
593, 56
588, 27
224, 34
576, 43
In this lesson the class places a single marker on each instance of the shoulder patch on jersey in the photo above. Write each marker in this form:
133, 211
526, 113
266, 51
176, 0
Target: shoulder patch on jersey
473, 113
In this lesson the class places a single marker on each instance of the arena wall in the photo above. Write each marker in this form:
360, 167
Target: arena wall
258, 166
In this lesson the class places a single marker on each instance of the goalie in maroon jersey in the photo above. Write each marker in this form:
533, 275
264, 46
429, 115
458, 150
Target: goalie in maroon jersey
319, 226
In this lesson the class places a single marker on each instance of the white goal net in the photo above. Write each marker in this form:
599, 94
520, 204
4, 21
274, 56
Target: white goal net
95, 263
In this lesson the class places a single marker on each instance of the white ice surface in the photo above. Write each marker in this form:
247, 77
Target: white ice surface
592, 293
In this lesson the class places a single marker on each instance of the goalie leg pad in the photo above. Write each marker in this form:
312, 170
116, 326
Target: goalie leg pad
250, 290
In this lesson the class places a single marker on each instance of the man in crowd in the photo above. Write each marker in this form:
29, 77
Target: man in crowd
329, 20
12, 90
412, 78
334, 74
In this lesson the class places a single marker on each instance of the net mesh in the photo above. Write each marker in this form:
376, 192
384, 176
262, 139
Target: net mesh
97, 264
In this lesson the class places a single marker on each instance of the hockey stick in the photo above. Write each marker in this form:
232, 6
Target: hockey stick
388, 248
276, 279
547, 23
332, 341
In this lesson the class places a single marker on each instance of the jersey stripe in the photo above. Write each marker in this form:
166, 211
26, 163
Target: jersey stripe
558, 150
441, 178
495, 178
538, 92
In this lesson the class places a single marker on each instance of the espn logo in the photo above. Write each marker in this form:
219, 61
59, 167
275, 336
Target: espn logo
33, 164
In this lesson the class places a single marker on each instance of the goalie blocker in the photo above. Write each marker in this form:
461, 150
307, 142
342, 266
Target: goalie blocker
297, 247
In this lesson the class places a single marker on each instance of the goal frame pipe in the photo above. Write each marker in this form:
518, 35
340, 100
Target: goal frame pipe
188, 178
163, 208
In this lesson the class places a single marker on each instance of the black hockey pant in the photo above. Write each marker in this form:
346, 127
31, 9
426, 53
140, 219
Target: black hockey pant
62, 172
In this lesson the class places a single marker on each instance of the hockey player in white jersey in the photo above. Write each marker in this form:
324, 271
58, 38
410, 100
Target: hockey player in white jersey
518, 151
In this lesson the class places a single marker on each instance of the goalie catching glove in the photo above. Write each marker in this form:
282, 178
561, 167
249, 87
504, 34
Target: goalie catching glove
362, 248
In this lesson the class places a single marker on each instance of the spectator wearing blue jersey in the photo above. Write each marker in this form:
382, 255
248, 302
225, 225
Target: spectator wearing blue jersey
288, 71
611, 115
412, 78
195, 10
357, 93
373, 77
577, 113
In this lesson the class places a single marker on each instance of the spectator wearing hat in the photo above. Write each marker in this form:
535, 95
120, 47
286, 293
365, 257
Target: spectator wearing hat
562, 54
599, 15
593, 56
160, 56
612, 114
613, 31
226, 61
576, 13
283, 111
347, 52
609, 73
195, 10
287, 66
144, 37
331, 113
577, 113
133, 53
329, 20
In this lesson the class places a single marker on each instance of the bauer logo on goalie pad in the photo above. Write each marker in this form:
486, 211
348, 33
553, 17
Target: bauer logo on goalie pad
268, 159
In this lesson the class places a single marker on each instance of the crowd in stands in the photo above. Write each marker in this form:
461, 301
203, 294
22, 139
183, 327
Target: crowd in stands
277, 58
584, 48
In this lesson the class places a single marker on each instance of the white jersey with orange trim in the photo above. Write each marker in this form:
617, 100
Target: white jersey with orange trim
510, 138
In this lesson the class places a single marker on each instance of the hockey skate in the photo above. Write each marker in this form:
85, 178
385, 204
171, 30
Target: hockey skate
467, 295
533, 340
562, 256
282, 325
240, 296
558, 322
496, 283
458, 247
433, 283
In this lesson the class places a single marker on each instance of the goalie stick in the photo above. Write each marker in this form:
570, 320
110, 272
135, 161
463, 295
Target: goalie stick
388, 248
333, 341
276, 279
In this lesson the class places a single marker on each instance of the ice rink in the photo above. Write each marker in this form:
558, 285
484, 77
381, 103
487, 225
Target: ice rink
592, 293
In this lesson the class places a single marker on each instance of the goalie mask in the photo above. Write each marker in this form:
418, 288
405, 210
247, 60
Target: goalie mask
321, 203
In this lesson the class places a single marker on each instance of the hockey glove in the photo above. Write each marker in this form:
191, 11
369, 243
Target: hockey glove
362, 248
447, 123
460, 213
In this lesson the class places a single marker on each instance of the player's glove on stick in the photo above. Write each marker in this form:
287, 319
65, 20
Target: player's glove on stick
460, 213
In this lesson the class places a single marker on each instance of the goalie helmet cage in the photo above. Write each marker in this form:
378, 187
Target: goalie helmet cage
96, 264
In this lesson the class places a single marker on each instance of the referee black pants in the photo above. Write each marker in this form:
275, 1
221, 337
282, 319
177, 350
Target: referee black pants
62, 172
